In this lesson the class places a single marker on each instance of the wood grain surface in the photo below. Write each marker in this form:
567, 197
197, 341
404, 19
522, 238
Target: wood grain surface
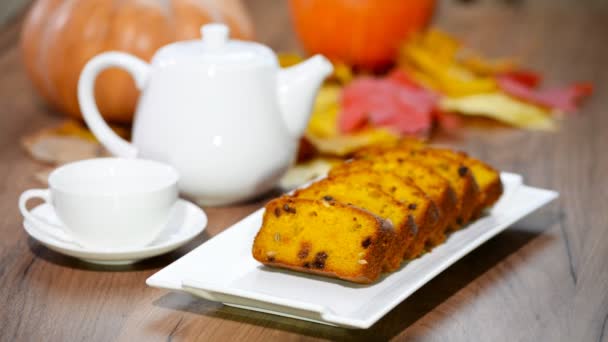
544, 279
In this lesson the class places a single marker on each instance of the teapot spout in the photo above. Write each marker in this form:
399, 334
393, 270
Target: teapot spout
297, 87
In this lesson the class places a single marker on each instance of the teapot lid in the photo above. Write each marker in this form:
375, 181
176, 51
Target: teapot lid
216, 48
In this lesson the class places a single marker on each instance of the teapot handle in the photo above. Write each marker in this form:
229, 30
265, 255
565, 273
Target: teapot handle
86, 97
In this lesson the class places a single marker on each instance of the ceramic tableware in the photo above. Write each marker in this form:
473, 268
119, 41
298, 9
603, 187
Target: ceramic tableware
221, 111
107, 203
185, 223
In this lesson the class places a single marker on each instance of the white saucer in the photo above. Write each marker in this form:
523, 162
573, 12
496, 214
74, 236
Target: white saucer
186, 222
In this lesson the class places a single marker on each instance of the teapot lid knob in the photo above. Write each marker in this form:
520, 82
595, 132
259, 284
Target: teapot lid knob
215, 35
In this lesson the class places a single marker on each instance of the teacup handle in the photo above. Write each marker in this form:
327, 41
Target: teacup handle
86, 97
42, 225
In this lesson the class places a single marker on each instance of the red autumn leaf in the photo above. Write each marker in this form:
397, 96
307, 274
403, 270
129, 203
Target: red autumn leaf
394, 102
351, 119
564, 99
524, 77
447, 121
403, 79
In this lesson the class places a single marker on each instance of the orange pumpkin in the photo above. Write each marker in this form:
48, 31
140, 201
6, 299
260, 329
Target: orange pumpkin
60, 36
363, 33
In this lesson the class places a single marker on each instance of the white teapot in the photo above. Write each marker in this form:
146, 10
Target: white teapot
221, 111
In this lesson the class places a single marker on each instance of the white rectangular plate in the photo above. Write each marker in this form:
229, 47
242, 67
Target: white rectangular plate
223, 270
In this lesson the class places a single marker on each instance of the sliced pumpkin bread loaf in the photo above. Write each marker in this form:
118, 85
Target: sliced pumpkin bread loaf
346, 190
434, 186
323, 237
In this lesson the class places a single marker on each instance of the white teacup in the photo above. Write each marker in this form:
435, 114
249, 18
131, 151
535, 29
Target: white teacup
108, 203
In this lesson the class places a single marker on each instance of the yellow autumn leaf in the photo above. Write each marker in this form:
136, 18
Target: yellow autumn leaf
439, 61
484, 67
343, 145
501, 107
343, 73
443, 46
289, 59
422, 78
324, 119
441, 72
464, 87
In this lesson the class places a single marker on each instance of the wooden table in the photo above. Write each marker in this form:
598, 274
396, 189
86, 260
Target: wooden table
544, 279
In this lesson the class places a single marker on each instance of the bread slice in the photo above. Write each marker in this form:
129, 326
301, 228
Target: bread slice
434, 186
419, 205
487, 178
377, 149
323, 237
452, 169
370, 197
